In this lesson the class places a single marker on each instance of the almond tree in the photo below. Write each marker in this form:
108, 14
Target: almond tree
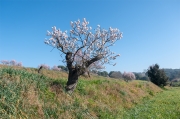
128, 76
55, 68
82, 48
11, 63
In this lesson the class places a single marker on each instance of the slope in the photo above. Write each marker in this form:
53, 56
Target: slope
26, 94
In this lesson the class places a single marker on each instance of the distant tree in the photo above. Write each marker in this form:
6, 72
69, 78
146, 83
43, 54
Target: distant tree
5, 62
19, 64
63, 68
43, 66
138, 75
55, 68
128, 76
172, 73
82, 48
110, 72
144, 78
11, 63
175, 80
94, 71
40, 68
141, 76
115, 74
157, 76
95, 67
103, 73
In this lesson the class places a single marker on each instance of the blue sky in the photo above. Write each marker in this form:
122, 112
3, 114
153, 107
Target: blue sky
151, 30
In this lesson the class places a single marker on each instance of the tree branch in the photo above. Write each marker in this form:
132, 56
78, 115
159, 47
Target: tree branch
89, 62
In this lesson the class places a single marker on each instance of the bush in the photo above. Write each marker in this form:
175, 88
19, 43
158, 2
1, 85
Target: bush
157, 76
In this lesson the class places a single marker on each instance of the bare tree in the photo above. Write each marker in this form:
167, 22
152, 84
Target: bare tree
82, 49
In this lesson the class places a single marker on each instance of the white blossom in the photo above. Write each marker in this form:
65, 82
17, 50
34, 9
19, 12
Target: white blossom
94, 43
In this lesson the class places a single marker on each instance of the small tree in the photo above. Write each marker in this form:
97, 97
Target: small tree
128, 76
157, 76
82, 48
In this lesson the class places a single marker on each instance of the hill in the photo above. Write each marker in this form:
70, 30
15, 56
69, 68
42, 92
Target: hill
172, 73
26, 94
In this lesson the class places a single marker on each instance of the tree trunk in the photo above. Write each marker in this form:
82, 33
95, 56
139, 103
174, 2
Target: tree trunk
40, 68
72, 80
76, 71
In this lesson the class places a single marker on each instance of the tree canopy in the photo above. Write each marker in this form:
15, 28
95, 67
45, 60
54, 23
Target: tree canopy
156, 75
83, 49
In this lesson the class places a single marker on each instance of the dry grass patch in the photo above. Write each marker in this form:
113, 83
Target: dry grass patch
31, 100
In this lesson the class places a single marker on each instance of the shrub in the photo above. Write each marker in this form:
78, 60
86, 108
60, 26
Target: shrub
157, 76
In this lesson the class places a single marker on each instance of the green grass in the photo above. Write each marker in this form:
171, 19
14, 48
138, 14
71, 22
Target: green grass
165, 105
26, 94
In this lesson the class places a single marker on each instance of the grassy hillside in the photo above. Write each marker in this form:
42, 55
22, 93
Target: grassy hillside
165, 105
26, 94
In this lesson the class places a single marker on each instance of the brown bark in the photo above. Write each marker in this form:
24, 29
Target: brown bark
72, 80
40, 69
75, 72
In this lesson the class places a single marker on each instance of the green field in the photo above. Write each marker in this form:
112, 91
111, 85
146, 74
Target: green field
165, 105
26, 94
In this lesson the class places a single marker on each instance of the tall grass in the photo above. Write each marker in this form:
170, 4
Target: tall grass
26, 94
165, 105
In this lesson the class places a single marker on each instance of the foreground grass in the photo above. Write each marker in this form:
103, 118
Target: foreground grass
165, 105
26, 94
